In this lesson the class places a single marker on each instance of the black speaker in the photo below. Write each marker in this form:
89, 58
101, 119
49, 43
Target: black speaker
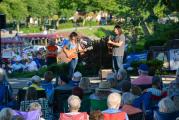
2, 21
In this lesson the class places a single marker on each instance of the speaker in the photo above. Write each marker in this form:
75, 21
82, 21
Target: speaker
2, 21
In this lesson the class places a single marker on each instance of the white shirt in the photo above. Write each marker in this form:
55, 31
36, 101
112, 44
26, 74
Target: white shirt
32, 66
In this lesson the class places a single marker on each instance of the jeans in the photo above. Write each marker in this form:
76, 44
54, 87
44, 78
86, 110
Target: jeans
72, 65
117, 63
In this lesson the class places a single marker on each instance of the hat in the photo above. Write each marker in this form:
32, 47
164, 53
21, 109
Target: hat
104, 86
36, 79
76, 75
143, 67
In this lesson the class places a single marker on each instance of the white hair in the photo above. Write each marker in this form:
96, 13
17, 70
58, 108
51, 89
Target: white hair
6, 114
114, 100
166, 105
127, 98
74, 102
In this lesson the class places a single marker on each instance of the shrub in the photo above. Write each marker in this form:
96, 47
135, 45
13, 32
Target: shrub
154, 66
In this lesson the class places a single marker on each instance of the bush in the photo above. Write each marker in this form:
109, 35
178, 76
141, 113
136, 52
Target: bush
162, 34
155, 66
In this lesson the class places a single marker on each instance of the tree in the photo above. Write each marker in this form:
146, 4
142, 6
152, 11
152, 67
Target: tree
15, 10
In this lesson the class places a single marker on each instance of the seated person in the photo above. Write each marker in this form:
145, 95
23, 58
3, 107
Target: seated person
114, 102
122, 77
36, 106
127, 100
30, 97
6, 114
85, 85
74, 103
96, 115
31, 65
143, 78
77, 76
174, 86
6, 93
99, 98
17, 66
156, 88
167, 110
47, 83
36, 80
62, 85
39, 61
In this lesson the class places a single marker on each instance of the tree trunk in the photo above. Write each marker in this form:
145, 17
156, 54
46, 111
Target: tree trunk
18, 27
145, 28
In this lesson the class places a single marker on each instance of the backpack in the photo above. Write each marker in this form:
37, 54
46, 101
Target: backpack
115, 116
80, 116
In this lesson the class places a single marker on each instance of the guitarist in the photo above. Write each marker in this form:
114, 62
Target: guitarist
118, 46
71, 50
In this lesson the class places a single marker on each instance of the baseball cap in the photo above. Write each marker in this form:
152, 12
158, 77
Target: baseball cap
143, 67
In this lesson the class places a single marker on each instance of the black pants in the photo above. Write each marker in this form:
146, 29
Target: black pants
51, 61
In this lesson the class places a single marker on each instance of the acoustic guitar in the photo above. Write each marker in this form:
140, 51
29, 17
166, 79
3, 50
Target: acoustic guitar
110, 46
70, 54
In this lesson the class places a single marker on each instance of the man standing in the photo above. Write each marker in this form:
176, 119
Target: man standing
118, 46
52, 51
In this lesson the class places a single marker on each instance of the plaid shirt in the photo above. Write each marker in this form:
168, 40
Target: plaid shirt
46, 111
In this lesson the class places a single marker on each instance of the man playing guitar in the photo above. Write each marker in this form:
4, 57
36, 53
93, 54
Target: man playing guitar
118, 46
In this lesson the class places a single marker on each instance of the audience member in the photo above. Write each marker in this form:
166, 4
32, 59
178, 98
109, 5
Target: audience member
114, 102
17, 66
135, 90
6, 93
121, 78
111, 79
127, 99
31, 96
174, 86
143, 78
125, 86
47, 83
74, 103
167, 110
78, 92
39, 60
166, 105
36, 80
77, 76
6, 114
96, 115
85, 84
31, 65
156, 88
36, 106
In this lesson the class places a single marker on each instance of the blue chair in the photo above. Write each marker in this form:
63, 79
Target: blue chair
166, 116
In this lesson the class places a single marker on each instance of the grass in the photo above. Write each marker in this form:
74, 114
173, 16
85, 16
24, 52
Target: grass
32, 29
94, 31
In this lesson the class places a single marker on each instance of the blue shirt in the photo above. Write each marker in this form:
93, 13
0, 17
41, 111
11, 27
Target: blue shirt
48, 86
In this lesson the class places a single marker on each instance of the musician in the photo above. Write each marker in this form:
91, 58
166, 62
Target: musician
118, 46
51, 55
72, 45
